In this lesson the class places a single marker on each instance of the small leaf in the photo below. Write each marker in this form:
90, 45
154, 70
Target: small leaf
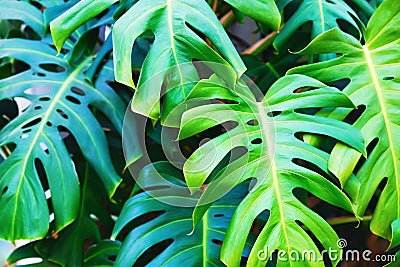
63, 26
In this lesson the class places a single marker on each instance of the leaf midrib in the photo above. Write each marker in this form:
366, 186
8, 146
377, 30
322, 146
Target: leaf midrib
378, 90
173, 47
275, 181
205, 237
43, 122
321, 11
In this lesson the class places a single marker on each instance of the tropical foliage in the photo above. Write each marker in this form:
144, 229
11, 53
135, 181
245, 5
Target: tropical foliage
285, 145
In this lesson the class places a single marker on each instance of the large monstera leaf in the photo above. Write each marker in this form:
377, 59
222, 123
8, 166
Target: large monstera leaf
171, 22
323, 14
162, 222
278, 167
61, 103
372, 70
175, 43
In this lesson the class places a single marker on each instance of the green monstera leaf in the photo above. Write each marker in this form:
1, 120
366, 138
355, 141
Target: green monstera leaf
61, 102
63, 26
277, 166
323, 14
265, 11
162, 222
171, 22
16, 10
372, 70
67, 248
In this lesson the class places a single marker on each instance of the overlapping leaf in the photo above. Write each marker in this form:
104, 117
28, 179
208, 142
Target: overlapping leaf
174, 24
201, 248
265, 11
25, 12
323, 14
67, 248
60, 103
171, 22
277, 171
373, 72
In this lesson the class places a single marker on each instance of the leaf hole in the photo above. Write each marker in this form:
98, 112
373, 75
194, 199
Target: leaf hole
78, 91
347, 27
370, 148
41, 172
307, 111
13, 66
4, 191
217, 242
52, 67
22, 103
49, 124
9, 148
8, 111
44, 147
340, 84
138, 221
44, 99
27, 131
259, 222
37, 108
73, 100
32, 123
148, 255
38, 90
299, 136
311, 166
219, 215
62, 113
304, 89
256, 141
253, 122
376, 198
355, 114
272, 114
252, 184
40, 74
388, 78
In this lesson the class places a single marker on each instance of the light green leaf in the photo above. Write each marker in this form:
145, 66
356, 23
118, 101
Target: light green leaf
373, 71
63, 26
323, 14
343, 171
264, 11
272, 158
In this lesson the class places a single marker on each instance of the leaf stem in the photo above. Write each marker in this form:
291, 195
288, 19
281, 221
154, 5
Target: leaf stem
257, 48
227, 19
215, 6
347, 219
